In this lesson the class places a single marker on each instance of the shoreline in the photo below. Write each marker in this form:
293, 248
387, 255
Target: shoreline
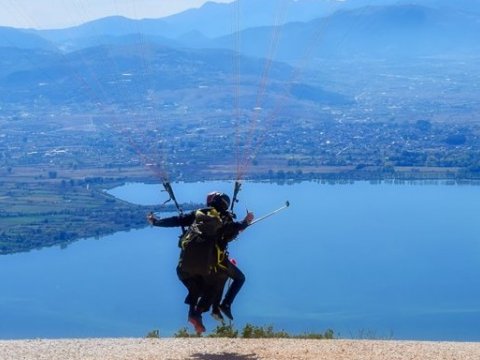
231, 349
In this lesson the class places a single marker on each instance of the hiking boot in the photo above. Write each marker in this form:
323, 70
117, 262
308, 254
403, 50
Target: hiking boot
196, 321
226, 310
217, 315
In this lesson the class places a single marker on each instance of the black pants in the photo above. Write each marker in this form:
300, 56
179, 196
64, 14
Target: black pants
201, 290
194, 285
228, 271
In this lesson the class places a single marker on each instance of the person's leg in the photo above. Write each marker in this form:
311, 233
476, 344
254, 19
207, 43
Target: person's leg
238, 279
220, 281
209, 292
195, 287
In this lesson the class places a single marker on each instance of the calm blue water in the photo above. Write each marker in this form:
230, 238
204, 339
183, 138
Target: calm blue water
383, 260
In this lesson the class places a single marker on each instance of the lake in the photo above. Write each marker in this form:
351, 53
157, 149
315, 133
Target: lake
367, 260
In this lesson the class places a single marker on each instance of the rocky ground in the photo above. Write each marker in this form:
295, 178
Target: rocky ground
234, 349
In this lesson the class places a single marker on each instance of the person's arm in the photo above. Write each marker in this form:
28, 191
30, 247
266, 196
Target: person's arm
232, 229
173, 221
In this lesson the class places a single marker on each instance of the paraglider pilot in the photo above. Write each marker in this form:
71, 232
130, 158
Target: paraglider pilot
203, 266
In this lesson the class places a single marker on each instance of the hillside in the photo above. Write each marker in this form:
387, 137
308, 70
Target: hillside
361, 28
400, 31
15, 38
214, 20
130, 74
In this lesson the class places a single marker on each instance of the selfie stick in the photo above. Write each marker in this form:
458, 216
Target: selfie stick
287, 204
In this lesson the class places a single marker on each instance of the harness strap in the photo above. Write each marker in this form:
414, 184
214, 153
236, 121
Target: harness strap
221, 255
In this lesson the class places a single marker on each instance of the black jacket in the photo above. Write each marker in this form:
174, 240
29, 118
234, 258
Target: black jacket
227, 232
216, 229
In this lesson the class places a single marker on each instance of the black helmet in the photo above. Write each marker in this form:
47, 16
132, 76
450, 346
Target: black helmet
218, 200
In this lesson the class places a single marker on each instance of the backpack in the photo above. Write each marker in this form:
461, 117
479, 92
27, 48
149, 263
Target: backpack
198, 243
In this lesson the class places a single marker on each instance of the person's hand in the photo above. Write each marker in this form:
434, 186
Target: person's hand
150, 218
248, 218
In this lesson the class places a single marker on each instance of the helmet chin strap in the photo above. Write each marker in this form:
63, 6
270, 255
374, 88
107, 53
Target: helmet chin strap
226, 204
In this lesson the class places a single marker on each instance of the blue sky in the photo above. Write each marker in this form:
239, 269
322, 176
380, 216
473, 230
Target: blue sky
48, 14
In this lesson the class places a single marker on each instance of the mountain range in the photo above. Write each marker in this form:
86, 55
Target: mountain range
404, 31
196, 46
333, 28
213, 20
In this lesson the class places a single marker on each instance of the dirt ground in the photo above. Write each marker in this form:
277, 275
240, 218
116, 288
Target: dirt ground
234, 349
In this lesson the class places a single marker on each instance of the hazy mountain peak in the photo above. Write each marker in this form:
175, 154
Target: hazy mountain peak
22, 39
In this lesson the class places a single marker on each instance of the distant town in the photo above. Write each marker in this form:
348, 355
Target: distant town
66, 136
426, 128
